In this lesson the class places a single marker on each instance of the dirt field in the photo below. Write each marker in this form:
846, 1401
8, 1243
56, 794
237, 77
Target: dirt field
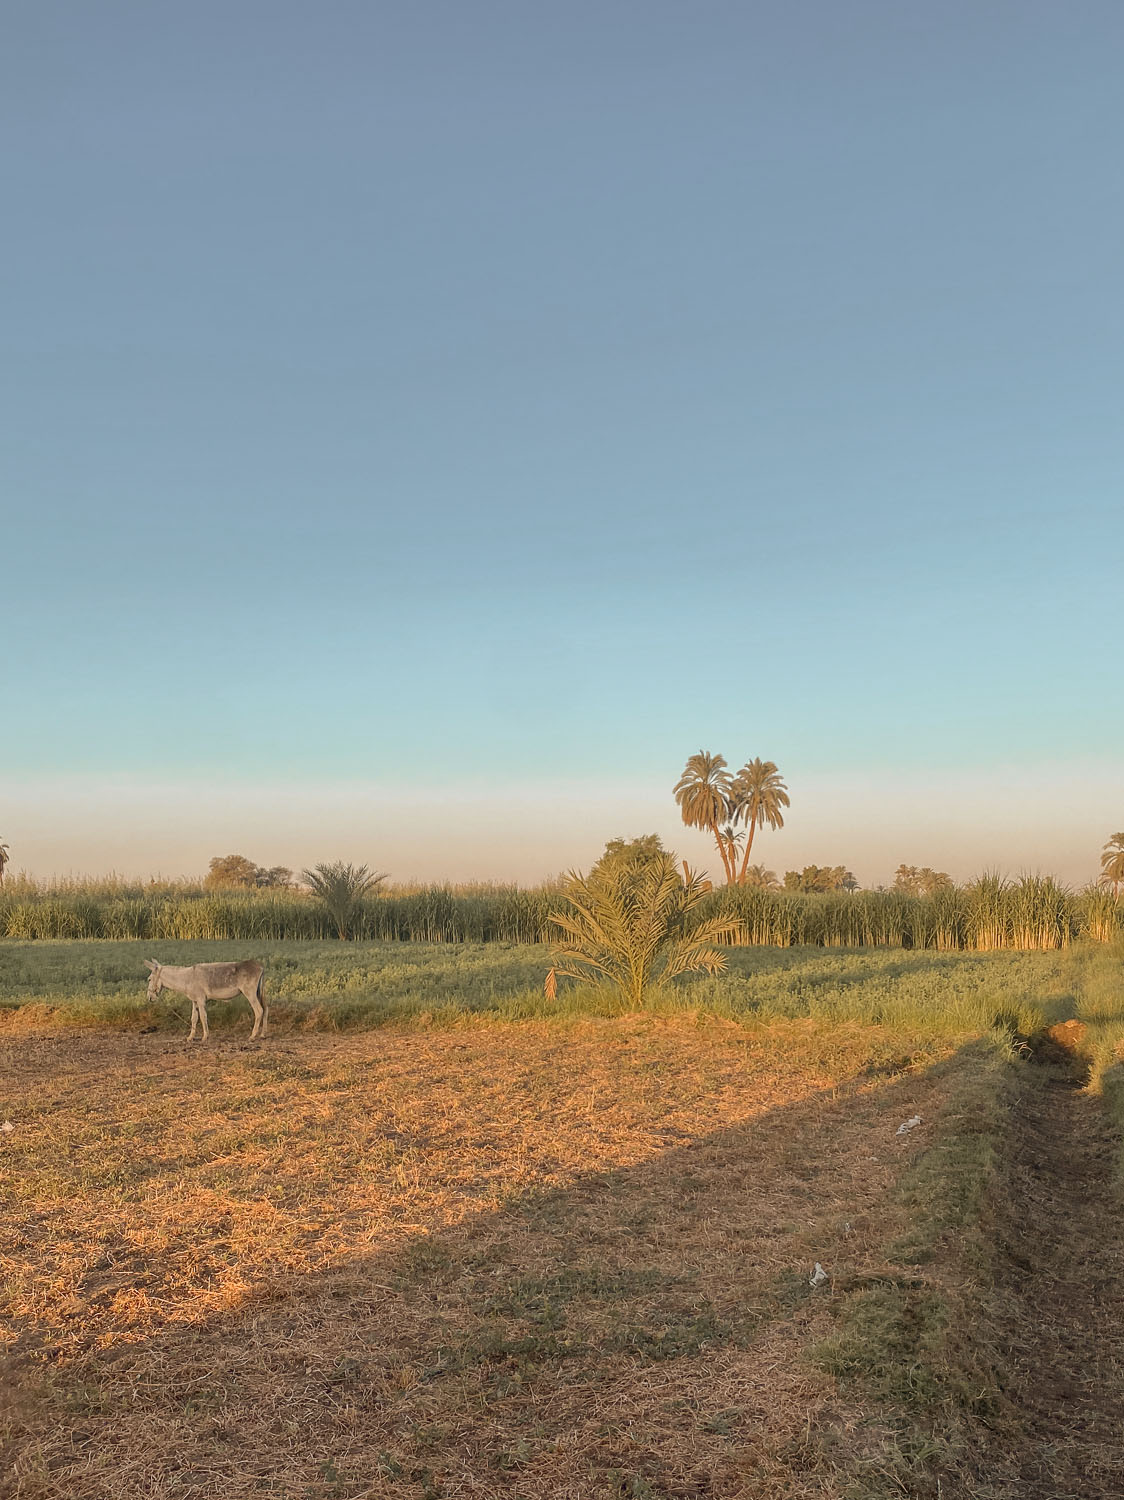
520, 1260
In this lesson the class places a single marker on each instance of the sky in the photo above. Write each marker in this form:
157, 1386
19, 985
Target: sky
425, 426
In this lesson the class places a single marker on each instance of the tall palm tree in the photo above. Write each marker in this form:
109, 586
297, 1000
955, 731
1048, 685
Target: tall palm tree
1112, 862
4, 857
703, 795
758, 794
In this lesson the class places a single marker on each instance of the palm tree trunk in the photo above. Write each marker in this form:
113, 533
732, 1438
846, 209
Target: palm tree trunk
726, 865
748, 847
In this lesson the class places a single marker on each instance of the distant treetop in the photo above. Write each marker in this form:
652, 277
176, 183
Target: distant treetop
923, 882
236, 872
814, 878
1112, 862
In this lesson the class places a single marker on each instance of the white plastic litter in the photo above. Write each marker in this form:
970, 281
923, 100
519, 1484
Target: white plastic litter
7, 1126
908, 1125
818, 1276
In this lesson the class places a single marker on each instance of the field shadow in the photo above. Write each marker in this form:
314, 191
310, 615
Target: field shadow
627, 1332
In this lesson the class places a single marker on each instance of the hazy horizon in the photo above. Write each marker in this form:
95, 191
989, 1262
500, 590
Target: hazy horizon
871, 823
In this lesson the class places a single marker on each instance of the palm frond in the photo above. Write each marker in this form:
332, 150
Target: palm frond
635, 923
341, 887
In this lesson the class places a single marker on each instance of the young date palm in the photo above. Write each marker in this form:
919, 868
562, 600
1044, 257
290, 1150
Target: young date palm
636, 924
758, 794
703, 794
341, 888
1112, 863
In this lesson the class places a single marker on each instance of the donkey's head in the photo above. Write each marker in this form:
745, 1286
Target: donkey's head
155, 978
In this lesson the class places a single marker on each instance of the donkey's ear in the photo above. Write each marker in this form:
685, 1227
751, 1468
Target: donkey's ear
150, 963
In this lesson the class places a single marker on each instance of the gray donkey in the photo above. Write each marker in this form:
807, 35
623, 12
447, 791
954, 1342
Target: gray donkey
203, 982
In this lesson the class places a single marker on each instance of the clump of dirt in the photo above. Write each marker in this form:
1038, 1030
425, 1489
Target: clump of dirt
1059, 1047
1068, 1034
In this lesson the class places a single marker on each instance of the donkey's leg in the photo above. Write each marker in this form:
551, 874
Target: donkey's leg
194, 1018
202, 1004
259, 1013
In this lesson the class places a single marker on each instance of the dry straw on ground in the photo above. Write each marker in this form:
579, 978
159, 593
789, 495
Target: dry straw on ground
518, 1260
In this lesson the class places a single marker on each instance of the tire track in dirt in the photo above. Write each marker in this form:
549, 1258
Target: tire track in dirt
1062, 1281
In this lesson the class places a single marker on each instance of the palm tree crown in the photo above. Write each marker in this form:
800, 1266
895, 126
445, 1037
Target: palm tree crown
341, 888
1112, 862
758, 795
703, 794
703, 791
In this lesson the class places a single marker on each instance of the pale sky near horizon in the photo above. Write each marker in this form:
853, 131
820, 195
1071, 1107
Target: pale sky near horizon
425, 426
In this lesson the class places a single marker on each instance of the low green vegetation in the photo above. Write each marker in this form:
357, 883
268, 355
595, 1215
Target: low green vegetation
900, 1333
326, 984
339, 986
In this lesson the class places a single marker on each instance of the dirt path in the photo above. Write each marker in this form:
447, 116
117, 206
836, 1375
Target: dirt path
1064, 1278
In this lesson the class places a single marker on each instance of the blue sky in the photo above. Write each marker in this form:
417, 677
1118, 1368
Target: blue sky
441, 399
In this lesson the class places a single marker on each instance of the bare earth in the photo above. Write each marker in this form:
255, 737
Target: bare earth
518, 1260
1062, 1274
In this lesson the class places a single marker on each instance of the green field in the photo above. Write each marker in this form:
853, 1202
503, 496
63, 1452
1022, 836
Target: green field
334, 985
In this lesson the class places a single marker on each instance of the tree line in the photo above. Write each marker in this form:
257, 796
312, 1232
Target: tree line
732, 806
